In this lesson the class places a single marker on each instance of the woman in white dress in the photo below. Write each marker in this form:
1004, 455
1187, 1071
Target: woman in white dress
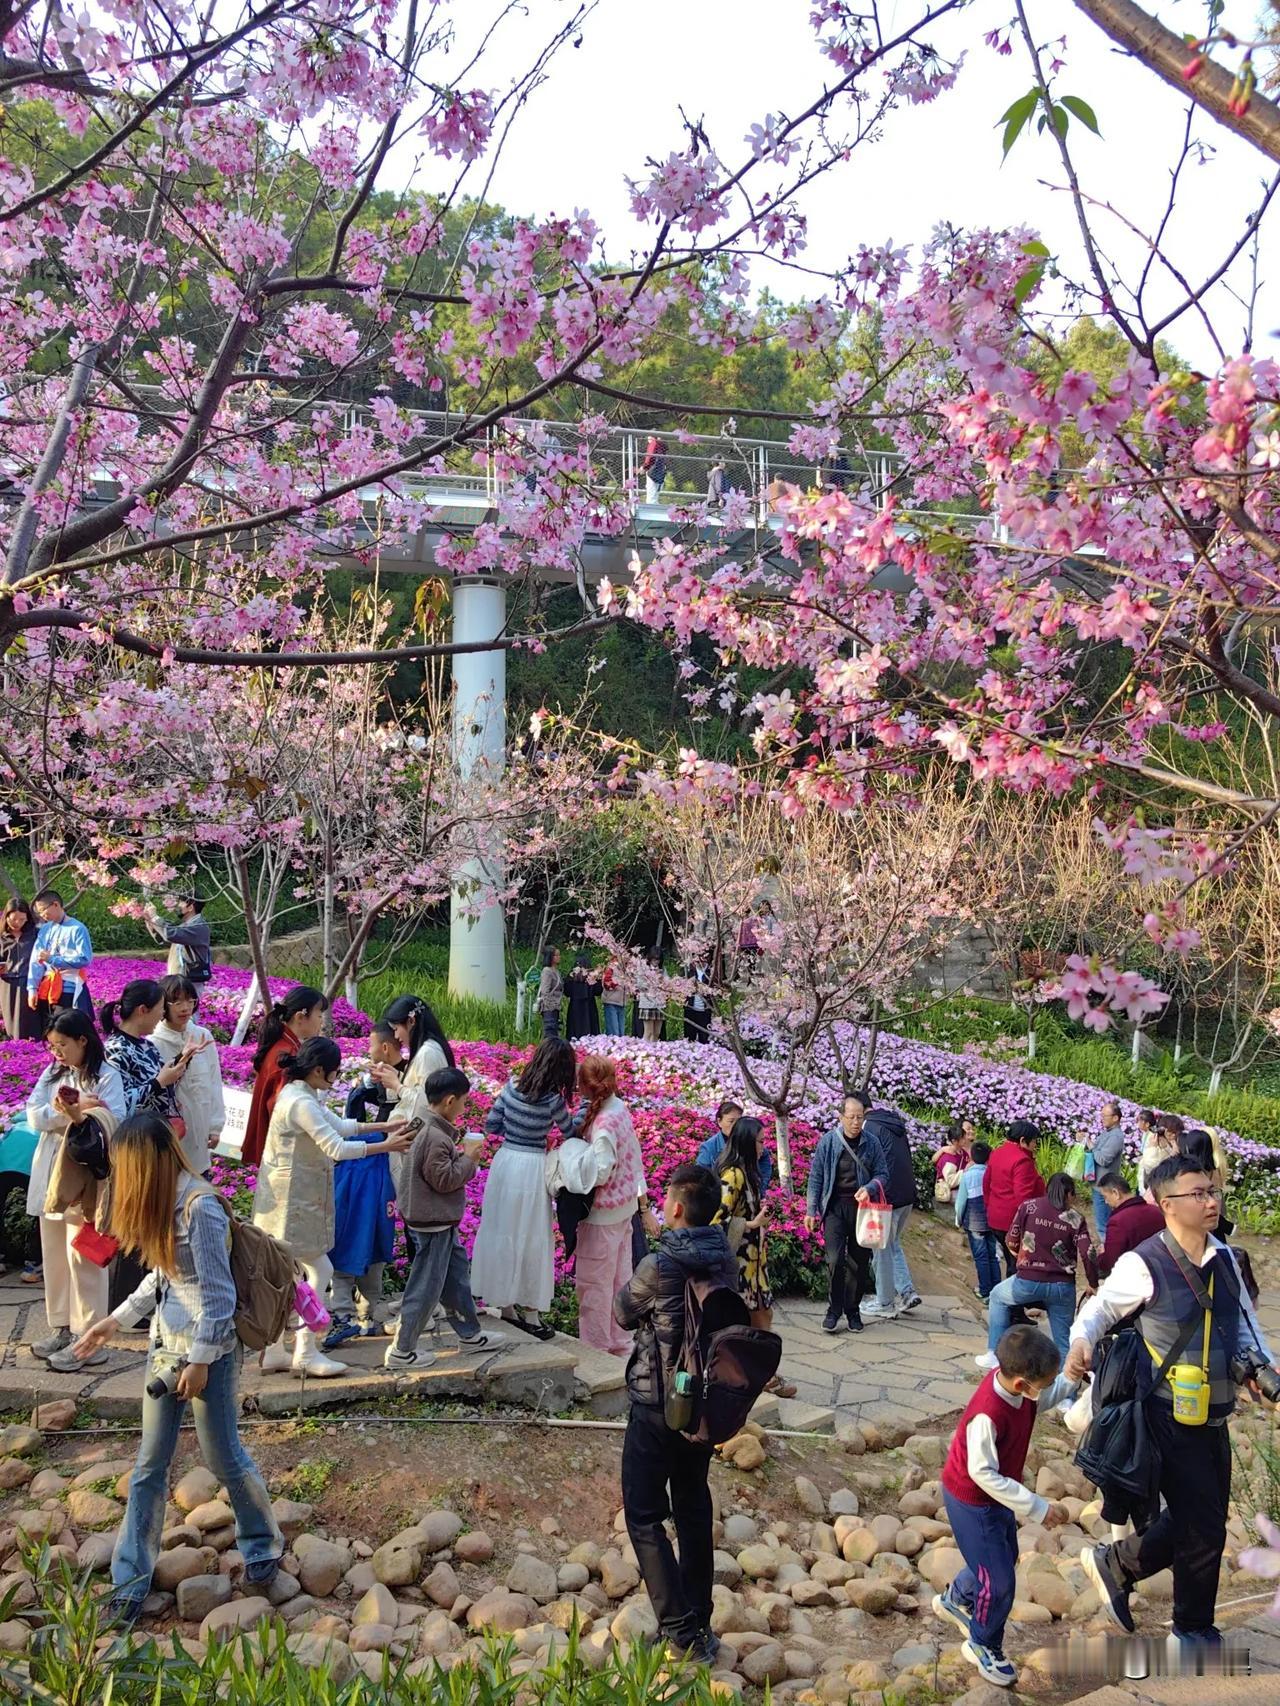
79, 1080
512, 1264
199, 1091
294, 1199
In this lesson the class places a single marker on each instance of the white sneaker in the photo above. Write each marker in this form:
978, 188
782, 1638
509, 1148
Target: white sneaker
274, 1359
315, 1365
407, 1362
487, 1340
875, 1311
987, 1361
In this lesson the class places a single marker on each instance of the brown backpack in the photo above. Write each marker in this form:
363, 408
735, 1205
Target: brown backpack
265, 1275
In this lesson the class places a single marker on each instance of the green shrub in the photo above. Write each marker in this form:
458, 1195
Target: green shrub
65, 1668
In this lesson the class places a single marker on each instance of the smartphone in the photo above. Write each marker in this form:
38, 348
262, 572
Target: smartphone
68, 1093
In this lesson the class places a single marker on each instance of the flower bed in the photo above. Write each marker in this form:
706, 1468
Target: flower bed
672, 1088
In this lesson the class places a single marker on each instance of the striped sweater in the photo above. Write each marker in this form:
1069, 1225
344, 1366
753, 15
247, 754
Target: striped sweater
523, 1124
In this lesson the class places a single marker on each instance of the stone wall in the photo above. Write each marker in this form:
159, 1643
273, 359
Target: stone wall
967, 962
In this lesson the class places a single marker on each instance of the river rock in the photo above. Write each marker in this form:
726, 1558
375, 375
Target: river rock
475, 1547
843, 1502
530, 1575
502, 1611
372, 1637
617, 1576
860, 1546
396, 1565
634, 1622
442, 1586
760, 1562
291, 1516
199, 1486
180, 1563
873, 1597
92, 1510
226, 1621
322, 1652
211, 1516
739, 1530
14, 1473
199, 1595
376, 1606
808, 1497
926, 1449
17, 1441
438, 1529
572, 1578
322, 1566
766, 1663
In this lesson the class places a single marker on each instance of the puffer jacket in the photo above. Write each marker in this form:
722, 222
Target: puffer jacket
652, 1303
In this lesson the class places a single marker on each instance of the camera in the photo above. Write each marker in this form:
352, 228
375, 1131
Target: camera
164, 1379
1253, 1366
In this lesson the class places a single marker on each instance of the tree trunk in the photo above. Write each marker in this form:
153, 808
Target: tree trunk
1215, 1080
260, 986
782, 1136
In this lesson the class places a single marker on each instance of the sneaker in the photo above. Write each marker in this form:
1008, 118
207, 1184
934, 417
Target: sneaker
830, 1322
987, 1361
123, 1612
51, 1344
1099, 1566
874, 1310
701, 1650
945, 1606
62, 1362
992, 1666
483, 1341
909, 1300
342, 1329
855, 1322
407, 1362
32, 1273
262, 1574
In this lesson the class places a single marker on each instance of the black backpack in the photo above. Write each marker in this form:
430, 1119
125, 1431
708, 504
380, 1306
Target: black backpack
730, 1360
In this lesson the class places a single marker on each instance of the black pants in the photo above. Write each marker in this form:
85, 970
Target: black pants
697, 1024
664, 1474
848, 1264
1189, 1534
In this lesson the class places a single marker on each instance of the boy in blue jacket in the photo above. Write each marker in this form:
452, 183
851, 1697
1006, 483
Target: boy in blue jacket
971, 1218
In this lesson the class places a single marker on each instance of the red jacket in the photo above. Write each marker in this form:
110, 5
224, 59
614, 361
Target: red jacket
266, 1087
1010, 1180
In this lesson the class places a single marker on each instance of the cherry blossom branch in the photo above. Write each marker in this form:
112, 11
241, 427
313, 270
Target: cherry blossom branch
1167, 54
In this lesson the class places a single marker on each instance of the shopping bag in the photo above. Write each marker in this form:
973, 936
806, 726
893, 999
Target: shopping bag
874, 1220
1074, 1165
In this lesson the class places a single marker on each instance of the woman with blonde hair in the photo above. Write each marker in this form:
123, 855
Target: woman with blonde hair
178, 1226
613, 1167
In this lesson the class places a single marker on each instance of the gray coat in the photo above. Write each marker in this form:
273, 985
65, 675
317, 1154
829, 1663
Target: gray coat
294, 1200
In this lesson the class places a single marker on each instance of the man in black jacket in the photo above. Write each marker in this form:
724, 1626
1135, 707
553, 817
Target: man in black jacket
662, 1471
884, 1138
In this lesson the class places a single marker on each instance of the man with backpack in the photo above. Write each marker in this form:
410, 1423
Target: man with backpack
1200, 1340
664, 1472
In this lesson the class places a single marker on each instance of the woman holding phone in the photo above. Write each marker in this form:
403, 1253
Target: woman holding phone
199, 1091
78, 1081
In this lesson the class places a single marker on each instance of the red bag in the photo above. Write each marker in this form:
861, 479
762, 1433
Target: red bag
96, 1247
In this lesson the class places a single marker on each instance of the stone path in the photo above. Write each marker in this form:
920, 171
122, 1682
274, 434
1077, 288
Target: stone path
1261, 1638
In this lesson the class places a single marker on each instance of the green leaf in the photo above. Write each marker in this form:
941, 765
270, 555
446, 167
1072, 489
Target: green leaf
1016, 117
1083, 111
1037, 249
1026, 284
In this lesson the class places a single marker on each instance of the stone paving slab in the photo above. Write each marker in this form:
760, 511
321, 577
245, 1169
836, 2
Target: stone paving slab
1261, 1636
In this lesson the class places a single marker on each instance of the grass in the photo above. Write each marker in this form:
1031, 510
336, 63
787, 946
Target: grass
309, 1480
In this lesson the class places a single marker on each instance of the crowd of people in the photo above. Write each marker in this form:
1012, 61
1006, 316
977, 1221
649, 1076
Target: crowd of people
131, 1107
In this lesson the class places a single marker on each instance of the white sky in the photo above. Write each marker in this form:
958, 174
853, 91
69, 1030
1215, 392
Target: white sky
616, 99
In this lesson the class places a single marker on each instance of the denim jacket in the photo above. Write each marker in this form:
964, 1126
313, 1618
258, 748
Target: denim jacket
195, 1305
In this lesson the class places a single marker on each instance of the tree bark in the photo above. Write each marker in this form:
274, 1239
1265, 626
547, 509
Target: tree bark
1166, 53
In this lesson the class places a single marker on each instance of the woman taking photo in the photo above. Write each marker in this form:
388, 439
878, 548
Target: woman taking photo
199, 1090
550, 993
19, 1019
583, 989
421, 1036
78, 1081
178, 1226
615, 1171
149, 1085
294, 1198
289, 1024
743, 1215
513, 1258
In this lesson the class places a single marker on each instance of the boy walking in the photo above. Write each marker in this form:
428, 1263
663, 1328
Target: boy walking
985, 1496
663, 1473
432, 1198
971, 1218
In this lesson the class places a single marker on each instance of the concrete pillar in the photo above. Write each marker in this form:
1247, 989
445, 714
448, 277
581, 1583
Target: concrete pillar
477, 957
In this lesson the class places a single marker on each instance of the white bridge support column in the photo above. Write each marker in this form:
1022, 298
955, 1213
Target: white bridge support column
477, 945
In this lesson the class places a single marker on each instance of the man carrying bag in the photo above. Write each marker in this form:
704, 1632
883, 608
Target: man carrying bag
1201, 1340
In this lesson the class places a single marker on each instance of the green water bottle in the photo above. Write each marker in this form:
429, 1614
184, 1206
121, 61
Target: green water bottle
678, 1409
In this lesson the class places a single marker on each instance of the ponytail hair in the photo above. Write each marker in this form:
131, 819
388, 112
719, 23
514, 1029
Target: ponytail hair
416, 1016
141, 992
597, 1081
316, 1052
301, 999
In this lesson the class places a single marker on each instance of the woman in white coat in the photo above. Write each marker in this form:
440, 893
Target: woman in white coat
294, 1199
79, 1080
199, 1091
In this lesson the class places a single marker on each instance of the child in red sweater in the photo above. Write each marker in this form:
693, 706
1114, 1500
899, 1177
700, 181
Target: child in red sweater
984, 1492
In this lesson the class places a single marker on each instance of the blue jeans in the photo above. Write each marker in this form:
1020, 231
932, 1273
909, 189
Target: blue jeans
987, 1539
215, 1413
892, 1273
440, 1273
615, 1020
1101, 1214
986, 1260
1058, 1300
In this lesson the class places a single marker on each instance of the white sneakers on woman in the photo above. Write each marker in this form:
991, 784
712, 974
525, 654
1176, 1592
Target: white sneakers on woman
310, 1360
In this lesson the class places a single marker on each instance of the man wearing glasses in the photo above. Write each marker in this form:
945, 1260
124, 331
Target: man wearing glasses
1196, 1320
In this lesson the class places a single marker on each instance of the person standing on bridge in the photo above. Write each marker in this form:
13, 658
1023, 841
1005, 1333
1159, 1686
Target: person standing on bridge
654, 468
